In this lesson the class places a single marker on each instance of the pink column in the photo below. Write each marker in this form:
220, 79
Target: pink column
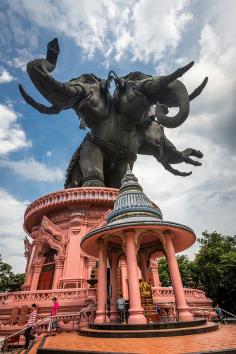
114, 316
102, 284
154, 273
144, 269
73, 266
123, 276
91, 265
29, 270
136, 311
86, 274
57, 272
35, 279
180, 300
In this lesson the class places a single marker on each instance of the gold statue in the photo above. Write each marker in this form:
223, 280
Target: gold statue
145, 288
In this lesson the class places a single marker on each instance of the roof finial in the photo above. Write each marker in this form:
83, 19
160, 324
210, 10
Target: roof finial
128, 170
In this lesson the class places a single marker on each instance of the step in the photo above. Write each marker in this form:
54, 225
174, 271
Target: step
148, 326
89, 332
42, 349
230, 320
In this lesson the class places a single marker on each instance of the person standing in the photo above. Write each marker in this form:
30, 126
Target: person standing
30, 324
121, 308
53, 324
219, 314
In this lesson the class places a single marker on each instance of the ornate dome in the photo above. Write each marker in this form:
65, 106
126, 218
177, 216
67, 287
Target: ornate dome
132, 204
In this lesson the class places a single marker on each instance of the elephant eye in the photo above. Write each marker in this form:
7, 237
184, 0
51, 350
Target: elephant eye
89, 80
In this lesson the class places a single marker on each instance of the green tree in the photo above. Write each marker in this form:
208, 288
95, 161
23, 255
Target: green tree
8, 280
185, 268
215, 268
163, 272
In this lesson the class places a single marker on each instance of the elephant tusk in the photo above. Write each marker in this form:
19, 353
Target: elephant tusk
166, 80
39, 107
198, 90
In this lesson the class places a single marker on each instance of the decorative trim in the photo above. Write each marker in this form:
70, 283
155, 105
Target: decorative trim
68, 198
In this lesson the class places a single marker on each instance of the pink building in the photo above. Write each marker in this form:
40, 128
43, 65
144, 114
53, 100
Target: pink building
57, 266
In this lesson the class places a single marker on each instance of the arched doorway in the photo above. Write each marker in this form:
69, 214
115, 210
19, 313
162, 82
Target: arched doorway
47, 272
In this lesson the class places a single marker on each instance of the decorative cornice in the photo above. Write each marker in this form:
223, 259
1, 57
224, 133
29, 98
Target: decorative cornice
68, 198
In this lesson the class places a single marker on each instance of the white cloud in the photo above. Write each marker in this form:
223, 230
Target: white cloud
12, 136
5, 76
212, 114
145, 28
206, 200
49, 154
158, 27
33, 170
22, 58
12, 234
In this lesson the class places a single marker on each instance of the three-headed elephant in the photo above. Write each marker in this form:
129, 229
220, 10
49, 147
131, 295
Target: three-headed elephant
121, 125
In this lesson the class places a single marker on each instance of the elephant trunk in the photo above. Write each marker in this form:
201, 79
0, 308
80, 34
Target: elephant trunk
38, 71
177, 97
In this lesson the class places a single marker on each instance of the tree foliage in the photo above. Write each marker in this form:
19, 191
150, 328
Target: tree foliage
213, 269
8, 280
185, 268
215, 266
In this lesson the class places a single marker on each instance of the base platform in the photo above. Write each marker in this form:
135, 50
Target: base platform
222, 341
149, 330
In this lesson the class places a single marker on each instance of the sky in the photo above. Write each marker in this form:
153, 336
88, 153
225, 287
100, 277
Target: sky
152, 36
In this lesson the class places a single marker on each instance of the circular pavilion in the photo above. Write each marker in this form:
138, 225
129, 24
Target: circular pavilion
135, 229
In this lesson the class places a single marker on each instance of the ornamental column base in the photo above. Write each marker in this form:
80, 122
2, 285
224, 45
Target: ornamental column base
136, 316
101, 317
114, 316
184, 314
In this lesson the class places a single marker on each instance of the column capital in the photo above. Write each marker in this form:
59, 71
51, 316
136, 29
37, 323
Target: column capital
37, 267
122, 263
128, 232
168, 234
59, 261
153, 264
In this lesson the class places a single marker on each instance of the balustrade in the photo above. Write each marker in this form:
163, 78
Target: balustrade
43, 295
168, 292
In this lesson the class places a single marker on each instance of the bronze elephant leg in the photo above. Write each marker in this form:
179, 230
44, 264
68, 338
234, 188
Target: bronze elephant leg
117, 172
91, 165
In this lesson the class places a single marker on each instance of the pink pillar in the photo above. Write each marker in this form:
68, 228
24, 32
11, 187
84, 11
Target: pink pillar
86, 272
123, 276
73, 266
35, 279
154, 273
180, 300
29, 270
102, 284
144, 269
114, 316
57, 272
136, 311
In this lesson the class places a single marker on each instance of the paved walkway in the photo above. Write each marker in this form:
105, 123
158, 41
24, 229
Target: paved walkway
225, 338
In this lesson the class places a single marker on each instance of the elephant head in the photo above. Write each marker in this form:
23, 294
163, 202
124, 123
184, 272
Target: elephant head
86, 94
136, 92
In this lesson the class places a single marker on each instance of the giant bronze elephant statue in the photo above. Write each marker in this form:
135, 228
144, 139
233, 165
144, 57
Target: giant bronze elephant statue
128, 123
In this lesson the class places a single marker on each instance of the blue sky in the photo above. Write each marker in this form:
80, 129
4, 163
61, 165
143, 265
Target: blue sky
153, 36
